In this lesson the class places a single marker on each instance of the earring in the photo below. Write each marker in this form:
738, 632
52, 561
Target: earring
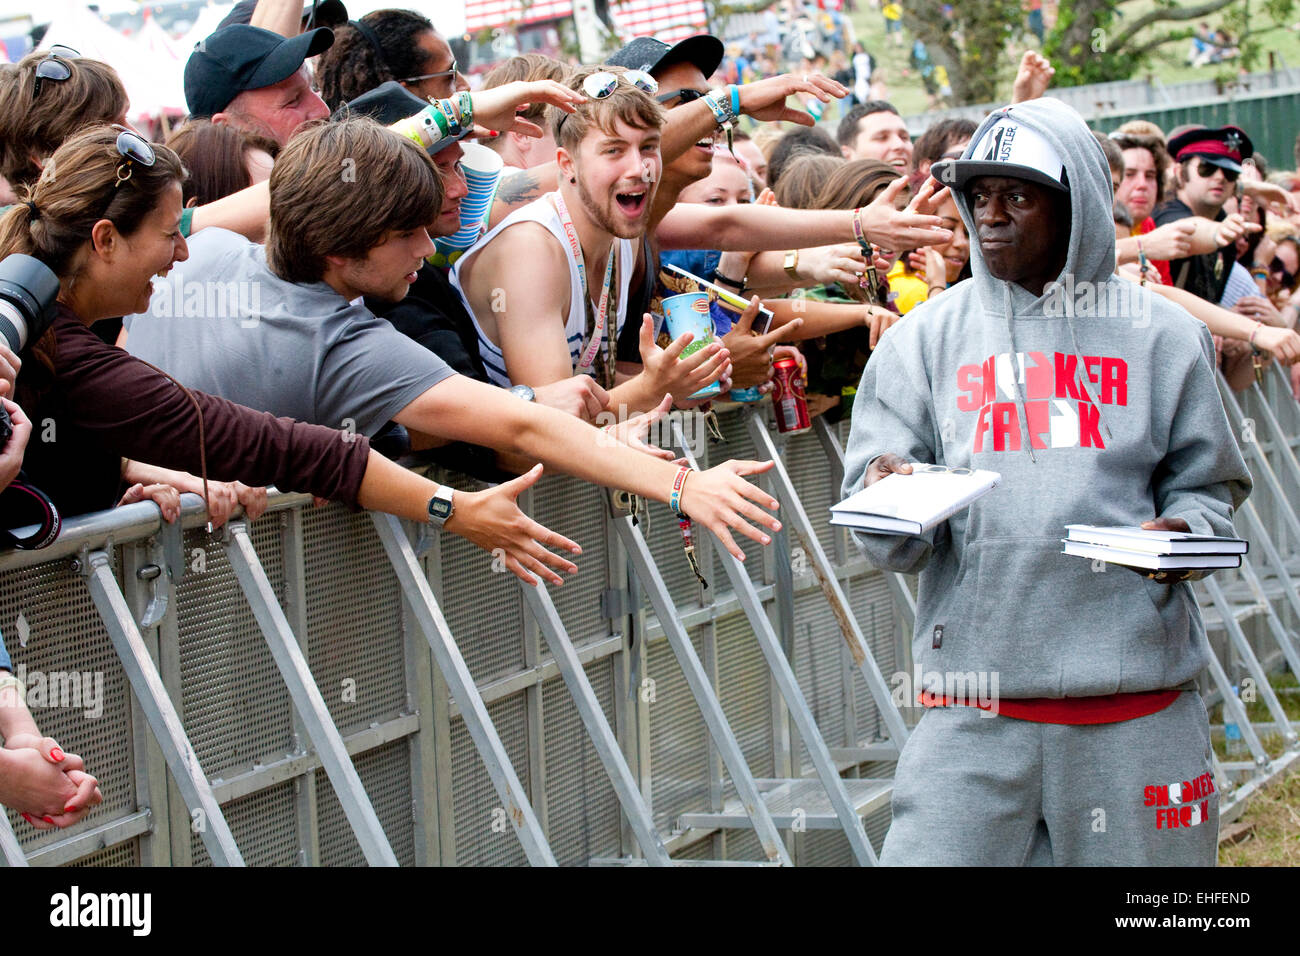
573, 179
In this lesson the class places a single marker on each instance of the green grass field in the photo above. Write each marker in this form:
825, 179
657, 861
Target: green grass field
1168, 65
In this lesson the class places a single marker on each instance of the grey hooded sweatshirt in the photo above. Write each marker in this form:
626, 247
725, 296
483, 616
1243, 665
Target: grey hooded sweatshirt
1097, 404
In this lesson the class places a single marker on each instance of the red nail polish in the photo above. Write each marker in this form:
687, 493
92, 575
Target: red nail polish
48, 819
56, 754
69, 809
28, 818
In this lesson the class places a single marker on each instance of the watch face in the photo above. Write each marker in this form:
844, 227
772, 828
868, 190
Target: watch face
440, 509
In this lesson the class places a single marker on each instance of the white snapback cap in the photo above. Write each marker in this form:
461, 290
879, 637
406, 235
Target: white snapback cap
1007, 148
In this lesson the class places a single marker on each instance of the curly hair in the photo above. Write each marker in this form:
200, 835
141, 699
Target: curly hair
385, 47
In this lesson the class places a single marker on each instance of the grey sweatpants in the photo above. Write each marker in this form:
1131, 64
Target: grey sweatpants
996, 791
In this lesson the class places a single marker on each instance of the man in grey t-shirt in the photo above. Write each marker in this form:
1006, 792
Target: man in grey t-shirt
224, 323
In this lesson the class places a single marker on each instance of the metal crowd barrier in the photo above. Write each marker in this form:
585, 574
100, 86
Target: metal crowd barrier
327, 688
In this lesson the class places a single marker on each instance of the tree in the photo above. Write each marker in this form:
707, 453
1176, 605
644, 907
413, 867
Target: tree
970, 41
1093, 41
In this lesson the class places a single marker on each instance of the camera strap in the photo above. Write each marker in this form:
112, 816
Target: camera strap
26, 497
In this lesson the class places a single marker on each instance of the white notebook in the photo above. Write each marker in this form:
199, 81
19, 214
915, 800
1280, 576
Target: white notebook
1155, 542
915, 503
1153, 562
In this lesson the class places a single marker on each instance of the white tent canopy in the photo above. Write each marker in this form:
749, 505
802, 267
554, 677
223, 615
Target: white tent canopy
447, 16
152, 75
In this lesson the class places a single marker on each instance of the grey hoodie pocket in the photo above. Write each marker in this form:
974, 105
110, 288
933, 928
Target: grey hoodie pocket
1051, 625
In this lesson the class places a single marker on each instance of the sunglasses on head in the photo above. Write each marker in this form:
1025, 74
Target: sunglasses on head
1206, 170
600, 85
53, 67
1277, 268
133, 148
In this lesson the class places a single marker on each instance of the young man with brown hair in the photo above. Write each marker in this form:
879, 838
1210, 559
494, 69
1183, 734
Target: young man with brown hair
563, 313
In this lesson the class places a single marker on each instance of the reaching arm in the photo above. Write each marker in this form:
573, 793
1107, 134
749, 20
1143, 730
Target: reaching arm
1202, 477
754, 226
466, 410
279, 16
1283, 344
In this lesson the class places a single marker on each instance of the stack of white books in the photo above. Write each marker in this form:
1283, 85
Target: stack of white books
915, 503
1153, 550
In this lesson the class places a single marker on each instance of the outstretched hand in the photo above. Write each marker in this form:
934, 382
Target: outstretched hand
721, 499
908, 228
1033, 78
765, 99
494, 109
492, 520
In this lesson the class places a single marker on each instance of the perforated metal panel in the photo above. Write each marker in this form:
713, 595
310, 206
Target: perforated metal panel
577, 511
678, 740
385, 772
699, 851
67, 657
264, 828
484, 837
483, 608
744, 845
811, 474
817, 663
739, 446
743, 680
582, 811
234, 705
874, 610
354, 618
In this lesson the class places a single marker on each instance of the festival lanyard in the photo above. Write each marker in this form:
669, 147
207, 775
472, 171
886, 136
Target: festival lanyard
587, 357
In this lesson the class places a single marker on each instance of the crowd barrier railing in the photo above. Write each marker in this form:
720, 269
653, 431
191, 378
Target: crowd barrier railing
322, 688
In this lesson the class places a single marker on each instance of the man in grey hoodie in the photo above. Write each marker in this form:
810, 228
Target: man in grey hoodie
1097, 403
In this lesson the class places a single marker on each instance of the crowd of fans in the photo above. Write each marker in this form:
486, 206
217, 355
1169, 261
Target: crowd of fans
318, 166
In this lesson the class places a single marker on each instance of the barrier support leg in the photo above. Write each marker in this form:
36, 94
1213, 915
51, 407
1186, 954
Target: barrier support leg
428, 617
597, 725
792, 513
1238, 638
788, 685
159, 710
306, 697
705, 698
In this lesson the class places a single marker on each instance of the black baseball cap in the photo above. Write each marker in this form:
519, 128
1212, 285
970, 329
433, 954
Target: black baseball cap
328, 13
388, 103
242, 57
646, 53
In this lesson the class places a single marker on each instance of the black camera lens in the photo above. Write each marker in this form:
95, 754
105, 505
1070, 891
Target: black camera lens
28, 291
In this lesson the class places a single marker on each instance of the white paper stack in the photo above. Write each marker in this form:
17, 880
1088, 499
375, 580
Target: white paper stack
915, 503
1154, 550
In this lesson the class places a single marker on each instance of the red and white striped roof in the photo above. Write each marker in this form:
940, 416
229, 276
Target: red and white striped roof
481, 14
667, 20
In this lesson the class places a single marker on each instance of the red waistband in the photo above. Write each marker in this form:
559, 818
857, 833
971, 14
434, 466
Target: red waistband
1107, 709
